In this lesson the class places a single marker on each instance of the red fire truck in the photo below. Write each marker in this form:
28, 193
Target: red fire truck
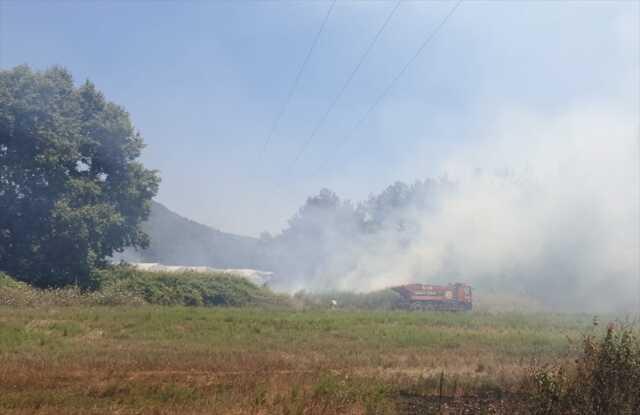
452, 297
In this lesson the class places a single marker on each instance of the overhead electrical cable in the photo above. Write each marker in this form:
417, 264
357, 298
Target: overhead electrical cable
386, 91
296, 80
346, 84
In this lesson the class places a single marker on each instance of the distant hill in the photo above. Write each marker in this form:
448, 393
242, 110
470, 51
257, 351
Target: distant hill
176, 240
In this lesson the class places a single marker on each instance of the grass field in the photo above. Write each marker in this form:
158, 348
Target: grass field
191, 360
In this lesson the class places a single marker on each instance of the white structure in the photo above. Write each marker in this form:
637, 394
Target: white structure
253, 275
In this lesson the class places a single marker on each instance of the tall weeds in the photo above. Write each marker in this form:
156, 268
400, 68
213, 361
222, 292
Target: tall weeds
604, 379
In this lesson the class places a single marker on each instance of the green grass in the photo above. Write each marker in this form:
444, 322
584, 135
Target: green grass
513, 333
186, 288
7, 282
249, 351
178, 359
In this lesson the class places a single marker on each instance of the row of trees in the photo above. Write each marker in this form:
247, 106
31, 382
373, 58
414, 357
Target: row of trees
328, 236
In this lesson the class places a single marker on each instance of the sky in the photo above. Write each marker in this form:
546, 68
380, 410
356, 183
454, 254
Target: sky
205, 80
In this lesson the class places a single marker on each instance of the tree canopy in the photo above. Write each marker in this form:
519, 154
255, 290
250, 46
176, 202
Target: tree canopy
71, 189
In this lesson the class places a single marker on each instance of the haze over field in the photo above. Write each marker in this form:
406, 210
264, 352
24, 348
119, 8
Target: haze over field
516, 132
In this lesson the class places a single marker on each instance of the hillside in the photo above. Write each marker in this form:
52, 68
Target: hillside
176, 240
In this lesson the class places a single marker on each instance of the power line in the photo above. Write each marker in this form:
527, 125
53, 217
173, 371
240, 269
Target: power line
296, 80
333, 103
384, 93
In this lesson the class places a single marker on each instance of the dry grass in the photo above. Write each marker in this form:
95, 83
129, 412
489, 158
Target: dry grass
177, 360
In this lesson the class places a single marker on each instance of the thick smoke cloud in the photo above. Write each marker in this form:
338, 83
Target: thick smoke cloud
546, 208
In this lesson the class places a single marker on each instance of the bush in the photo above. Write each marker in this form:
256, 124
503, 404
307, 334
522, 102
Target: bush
185, 288
605, 379
124, 285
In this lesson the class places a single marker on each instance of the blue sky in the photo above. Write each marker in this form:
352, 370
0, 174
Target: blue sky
203, 82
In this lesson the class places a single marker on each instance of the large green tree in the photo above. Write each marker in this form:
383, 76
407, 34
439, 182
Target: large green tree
71, 189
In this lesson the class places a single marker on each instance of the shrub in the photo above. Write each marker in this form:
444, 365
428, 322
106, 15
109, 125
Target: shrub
185, 288
605, 379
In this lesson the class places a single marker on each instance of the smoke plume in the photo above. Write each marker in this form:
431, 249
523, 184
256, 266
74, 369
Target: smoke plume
546, 207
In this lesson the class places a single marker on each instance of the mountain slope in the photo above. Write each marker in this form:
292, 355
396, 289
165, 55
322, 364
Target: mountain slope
176, 240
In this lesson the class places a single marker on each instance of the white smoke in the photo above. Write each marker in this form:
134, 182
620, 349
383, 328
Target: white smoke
546, 207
